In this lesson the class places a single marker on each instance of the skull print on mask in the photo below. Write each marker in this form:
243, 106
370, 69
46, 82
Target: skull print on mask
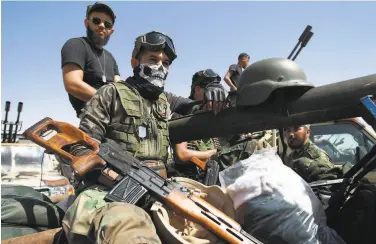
154, 73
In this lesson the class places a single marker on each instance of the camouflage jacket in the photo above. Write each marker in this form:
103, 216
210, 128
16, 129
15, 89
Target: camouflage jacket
105, 113
310, 162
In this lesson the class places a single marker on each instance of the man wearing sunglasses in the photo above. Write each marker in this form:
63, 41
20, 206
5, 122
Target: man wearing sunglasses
309, 161
134, 114
202, 149
86, 65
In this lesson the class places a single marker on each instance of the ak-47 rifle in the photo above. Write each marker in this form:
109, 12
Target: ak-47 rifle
134, 181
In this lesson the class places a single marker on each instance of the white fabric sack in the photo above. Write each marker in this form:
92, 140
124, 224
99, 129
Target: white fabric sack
277, 205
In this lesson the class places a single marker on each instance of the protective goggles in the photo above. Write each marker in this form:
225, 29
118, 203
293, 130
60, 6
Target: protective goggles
155, 41
205, 77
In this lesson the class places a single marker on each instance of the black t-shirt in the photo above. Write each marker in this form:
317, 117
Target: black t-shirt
236, 72
93, 61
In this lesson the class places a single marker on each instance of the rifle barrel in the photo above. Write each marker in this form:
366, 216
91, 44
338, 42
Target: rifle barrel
301, 39
334, 101
19, 110
5, 122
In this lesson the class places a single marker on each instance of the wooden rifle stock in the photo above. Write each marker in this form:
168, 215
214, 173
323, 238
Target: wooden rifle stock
198, 163
192, 208
66, 135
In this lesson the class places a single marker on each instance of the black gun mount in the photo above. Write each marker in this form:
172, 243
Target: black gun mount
303, 40
10, 135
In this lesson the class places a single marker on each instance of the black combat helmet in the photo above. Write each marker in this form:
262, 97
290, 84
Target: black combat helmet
260, 79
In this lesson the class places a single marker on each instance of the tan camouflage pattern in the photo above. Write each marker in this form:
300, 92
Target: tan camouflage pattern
309, 162
91, 220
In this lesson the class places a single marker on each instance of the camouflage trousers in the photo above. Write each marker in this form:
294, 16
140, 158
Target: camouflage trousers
92, 220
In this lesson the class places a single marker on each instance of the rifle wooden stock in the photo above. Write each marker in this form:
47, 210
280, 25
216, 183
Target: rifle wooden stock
192, 210
66, 134
84, 164
198, 163
335, 101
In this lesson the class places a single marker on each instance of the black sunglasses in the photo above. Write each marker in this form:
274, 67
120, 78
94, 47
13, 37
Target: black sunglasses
97, 21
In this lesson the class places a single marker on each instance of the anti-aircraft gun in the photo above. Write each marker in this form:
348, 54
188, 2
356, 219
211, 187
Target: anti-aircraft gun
24, 162
10, 136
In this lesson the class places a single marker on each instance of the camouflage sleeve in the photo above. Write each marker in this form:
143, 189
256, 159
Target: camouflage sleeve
96, 114
313, 169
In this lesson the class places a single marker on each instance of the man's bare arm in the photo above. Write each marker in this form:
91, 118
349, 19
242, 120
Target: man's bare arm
185, 154
74, 84
228, 80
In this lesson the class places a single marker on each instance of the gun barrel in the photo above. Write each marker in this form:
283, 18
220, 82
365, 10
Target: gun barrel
301, 39
335, 101
7, 108
19, 110
305, 33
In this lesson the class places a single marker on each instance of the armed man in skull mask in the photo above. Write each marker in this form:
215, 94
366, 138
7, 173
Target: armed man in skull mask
85, 63
309, 161
202, 149
133, 114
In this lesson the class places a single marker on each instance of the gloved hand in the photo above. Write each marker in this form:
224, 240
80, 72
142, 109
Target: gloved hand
214, 97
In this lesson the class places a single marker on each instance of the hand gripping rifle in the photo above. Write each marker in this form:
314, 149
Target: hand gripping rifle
132, 180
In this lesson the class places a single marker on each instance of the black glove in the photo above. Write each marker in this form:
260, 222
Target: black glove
214, 97
214, 91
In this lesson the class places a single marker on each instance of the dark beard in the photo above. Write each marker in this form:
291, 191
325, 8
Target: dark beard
96, 39
300, 145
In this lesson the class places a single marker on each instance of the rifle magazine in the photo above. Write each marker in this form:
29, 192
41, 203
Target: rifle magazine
127, 190
212, 173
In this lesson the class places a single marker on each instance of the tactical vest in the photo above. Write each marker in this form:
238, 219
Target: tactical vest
144, 132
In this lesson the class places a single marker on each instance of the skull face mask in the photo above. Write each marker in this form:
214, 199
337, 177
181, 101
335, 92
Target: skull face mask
153, 73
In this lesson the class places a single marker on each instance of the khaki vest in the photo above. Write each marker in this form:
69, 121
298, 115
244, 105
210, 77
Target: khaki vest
144, 131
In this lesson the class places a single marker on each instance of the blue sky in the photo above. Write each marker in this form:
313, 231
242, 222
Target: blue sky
206, 35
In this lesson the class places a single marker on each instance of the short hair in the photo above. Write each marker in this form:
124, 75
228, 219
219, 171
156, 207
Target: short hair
142, 52
243, 55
